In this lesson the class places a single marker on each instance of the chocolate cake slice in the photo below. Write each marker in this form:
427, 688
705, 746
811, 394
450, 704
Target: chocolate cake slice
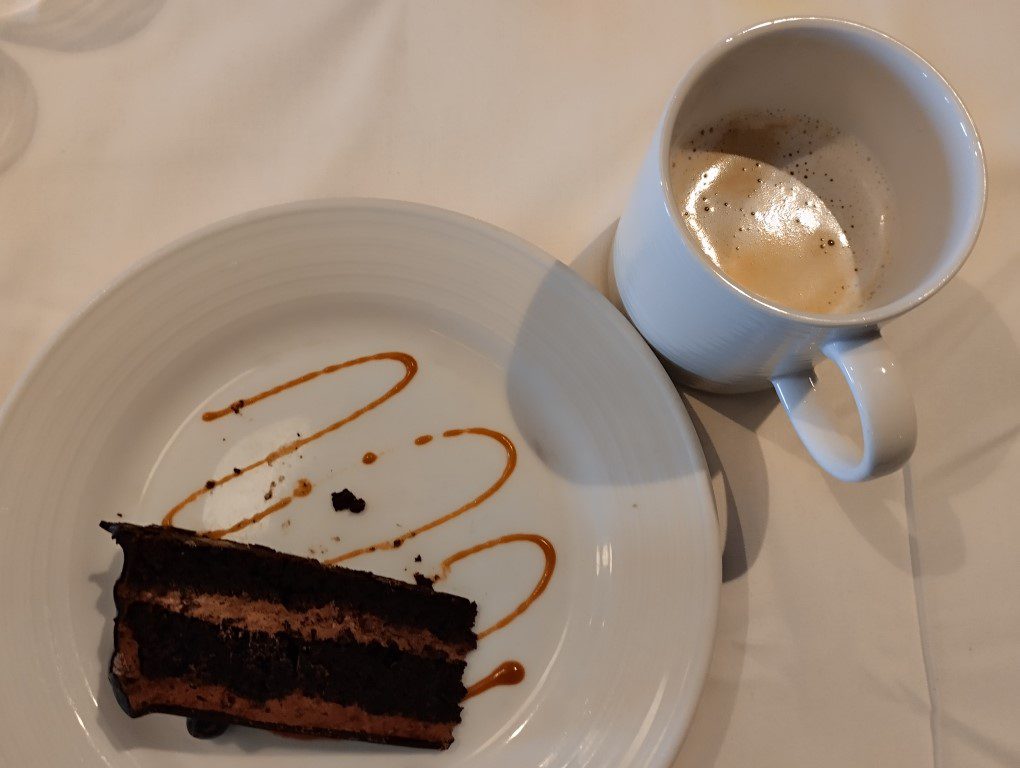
239, 633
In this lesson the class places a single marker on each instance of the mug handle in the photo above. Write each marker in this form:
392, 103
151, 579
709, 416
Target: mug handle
884, 404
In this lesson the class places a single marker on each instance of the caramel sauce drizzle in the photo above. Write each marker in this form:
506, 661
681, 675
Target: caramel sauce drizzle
508, 468
550, 565
410, 369
507, 673
240, 525
409, 362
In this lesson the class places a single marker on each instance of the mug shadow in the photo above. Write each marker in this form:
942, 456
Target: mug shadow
569, 407
957, 343
725, 425
874, 507
726, 429
592, 263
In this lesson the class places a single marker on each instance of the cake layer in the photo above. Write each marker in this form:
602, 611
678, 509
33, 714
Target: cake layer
261, 666
294, 713
157, 558
325, 623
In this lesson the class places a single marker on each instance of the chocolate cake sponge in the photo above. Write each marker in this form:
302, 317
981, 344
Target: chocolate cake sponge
240, 633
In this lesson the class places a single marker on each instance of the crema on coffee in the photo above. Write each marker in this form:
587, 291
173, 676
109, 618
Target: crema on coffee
787, 207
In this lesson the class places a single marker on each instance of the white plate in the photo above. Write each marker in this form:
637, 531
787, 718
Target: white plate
610, 470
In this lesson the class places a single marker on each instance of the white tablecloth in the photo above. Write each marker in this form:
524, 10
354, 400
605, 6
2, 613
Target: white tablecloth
874, 624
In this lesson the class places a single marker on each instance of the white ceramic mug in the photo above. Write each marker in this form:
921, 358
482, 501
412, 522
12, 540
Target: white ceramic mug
724, 338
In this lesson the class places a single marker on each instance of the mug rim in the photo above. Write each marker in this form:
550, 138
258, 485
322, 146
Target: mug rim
861, 318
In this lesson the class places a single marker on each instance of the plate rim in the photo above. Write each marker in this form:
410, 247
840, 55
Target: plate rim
677, 727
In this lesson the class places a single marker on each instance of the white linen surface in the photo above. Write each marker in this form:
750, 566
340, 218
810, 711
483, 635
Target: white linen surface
874, 624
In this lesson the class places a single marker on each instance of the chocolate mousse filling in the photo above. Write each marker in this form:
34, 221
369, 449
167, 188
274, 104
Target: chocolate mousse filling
380, 679
162, 556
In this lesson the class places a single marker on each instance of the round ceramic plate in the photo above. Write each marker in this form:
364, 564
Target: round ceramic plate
108, 425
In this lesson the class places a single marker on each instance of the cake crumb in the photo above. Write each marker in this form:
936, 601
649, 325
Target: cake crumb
336, 539
119, 515
269, 494
237, 471
417, 558
346, 499
286, 523
210, 484
397, 543
237, 405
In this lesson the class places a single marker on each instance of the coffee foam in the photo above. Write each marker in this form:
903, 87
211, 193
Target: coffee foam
786, 206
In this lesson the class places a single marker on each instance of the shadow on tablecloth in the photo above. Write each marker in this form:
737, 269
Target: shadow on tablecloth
964, 365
